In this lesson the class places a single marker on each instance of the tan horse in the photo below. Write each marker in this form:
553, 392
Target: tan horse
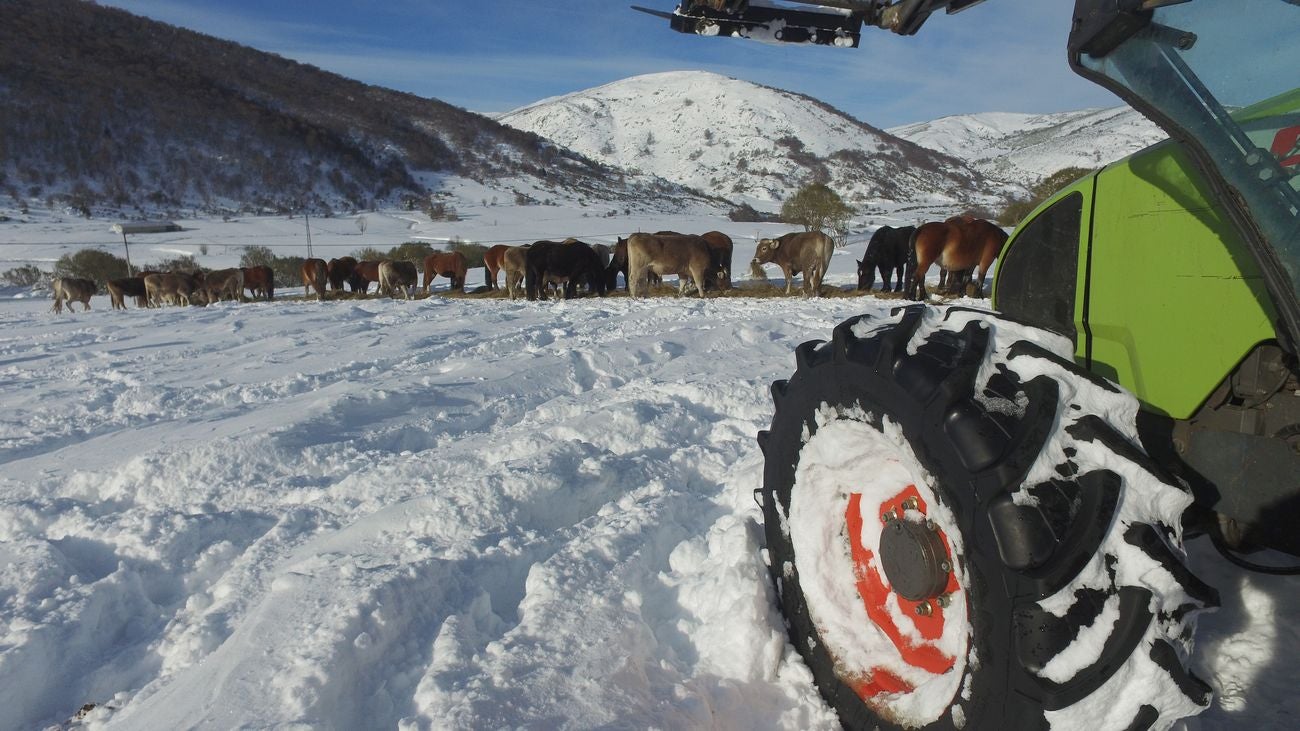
958, 244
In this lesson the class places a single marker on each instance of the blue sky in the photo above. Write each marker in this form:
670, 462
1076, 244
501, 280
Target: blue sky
495, 55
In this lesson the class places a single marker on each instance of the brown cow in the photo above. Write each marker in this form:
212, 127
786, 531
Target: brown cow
515, 262
72, 289
224, 283
680, 255
397, 274
363, 274
313, 277
339, 271
449, 264
176, 288
493, 262
807, 253
260, 281
120, 289
618, 264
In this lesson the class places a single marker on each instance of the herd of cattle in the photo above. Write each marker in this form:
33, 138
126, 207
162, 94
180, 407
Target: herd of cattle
959, 245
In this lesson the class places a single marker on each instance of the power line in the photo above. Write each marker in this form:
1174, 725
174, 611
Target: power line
260, 238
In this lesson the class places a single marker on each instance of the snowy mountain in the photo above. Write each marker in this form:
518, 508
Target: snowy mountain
740, 140
1024, 148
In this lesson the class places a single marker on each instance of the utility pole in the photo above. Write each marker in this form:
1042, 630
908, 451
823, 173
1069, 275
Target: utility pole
307, 223
129, 272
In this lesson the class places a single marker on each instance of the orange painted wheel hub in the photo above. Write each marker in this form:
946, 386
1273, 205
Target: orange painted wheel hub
914, 626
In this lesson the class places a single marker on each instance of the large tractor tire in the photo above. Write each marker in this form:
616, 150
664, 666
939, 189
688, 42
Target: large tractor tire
964, 534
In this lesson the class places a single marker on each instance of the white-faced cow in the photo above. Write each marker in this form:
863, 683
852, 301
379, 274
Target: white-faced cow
684, 256
72, 289
807, 253
400, 275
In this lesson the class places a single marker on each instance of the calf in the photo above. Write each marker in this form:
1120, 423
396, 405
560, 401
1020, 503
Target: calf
71, 289
807, 253
667, 254
548, 262
397, 274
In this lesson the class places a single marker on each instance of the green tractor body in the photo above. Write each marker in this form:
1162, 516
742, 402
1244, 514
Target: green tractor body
1142, 268
1146, 275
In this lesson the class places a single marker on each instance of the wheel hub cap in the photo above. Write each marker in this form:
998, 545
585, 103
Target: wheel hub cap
914, 559
921, 560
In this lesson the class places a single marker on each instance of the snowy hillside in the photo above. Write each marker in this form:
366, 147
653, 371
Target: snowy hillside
744, 141
219, 127
1024, 148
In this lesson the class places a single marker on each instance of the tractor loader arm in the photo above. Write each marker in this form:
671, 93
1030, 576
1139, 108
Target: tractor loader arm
826, 22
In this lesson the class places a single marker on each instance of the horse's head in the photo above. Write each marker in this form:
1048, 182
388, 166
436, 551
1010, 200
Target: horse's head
867, 275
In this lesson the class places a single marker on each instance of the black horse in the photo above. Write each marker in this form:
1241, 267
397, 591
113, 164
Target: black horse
887, 251
565, 264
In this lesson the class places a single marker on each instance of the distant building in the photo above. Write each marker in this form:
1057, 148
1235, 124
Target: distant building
145, 227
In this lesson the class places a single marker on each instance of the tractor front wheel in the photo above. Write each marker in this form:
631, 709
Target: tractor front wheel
964, 534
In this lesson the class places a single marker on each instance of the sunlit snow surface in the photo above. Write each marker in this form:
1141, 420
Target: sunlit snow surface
443, 513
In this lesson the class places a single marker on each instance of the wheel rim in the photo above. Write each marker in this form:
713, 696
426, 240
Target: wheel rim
855, 485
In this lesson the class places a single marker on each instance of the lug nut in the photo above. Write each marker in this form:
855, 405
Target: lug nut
943, 601
889, 516
931, 525
924, 609
945, 567
911, 504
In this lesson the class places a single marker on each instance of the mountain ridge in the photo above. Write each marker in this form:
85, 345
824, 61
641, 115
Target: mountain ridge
1025, 148
771, 142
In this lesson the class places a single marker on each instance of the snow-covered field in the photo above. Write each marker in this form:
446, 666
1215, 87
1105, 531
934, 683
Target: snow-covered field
448, 513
